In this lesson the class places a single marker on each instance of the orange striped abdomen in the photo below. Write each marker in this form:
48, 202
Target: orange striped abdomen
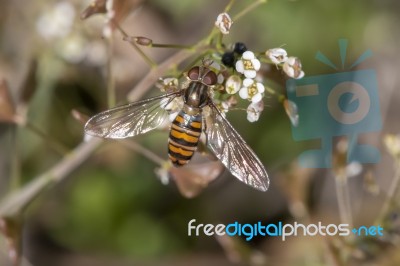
184, 137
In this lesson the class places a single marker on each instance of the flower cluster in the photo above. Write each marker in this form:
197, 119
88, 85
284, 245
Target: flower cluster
239, 76
290, 65
244, 82
242, 75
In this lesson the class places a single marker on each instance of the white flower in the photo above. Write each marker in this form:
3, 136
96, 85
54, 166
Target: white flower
233, 84
254, 110
173, 107
353, 169
73, 48
168, 84
163, 174
224, 23
220, 78
57, 22
248, 65
224, 107
292, 68
214, 66
252, 90
277, 55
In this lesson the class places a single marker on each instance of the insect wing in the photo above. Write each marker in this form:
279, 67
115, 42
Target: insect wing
234, 153
131, 119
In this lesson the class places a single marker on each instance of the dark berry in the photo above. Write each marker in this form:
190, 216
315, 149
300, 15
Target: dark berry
240, 48
228, 59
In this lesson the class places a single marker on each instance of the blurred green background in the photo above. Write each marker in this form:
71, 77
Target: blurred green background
113, 210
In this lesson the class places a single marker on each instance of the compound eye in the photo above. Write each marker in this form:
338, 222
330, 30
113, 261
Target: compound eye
194, 73
210, 78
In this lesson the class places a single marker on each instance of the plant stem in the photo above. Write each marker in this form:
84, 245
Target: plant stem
15, 181
177, 46
156, 72
111, 98
57, 147
192, 62
229, 6
391, 193
145, 152
343, 198
248, 9
148, 60
18, 200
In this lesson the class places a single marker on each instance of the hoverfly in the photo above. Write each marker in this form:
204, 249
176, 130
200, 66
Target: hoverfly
228, 146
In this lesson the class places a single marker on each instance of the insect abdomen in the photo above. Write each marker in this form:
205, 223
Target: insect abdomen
183, 137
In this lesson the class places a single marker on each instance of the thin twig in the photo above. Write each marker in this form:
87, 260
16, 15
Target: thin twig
18, 200
57, 147
148, 60
175, 46
391, 194
200, 56
15, 161
111, 98
248, 9
343, 198
153, 75
229, 6
144, 151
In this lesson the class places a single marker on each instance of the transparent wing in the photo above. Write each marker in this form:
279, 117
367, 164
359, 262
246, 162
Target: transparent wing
131, 119
234, 153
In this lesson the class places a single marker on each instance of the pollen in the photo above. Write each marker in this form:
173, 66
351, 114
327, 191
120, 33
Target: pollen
252, 90
248, 65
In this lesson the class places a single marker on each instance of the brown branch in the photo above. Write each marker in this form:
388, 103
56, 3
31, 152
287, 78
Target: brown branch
18, 200
155, 73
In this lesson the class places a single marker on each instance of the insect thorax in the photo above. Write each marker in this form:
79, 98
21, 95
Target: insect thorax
196, 95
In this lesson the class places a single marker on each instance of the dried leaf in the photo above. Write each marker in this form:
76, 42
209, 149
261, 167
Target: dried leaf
96, 7
194, 177
7, 107
291, 111
29, 85
119, 8
11, 229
